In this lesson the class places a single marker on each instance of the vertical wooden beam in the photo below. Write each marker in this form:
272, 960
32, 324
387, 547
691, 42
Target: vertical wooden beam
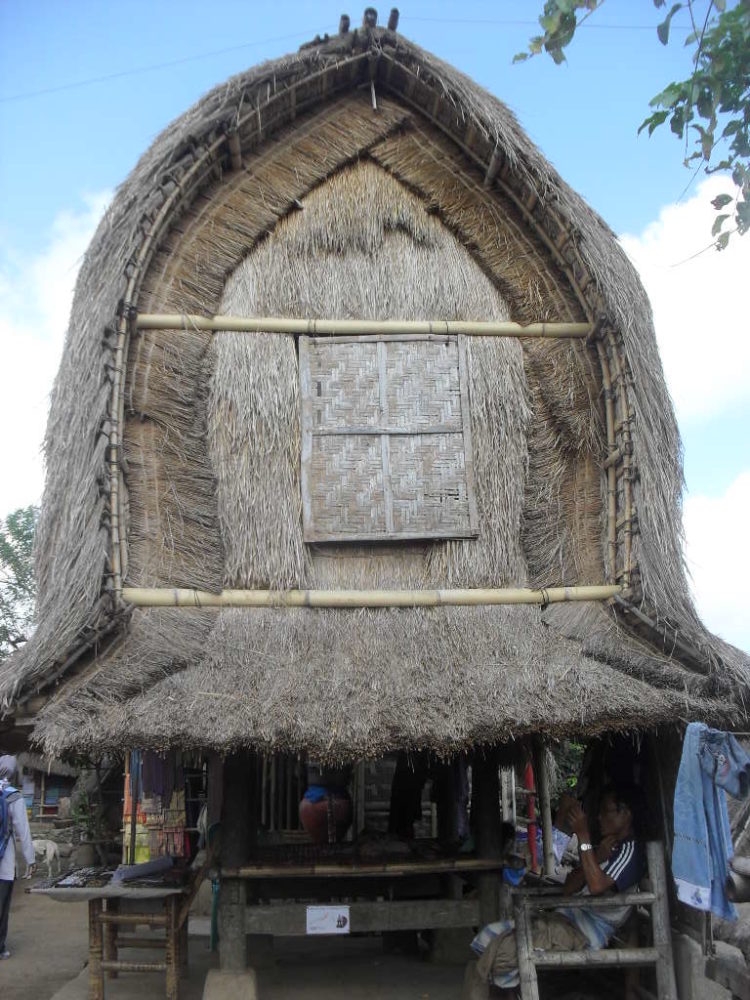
110, 937
524, 951
545, 805
96, 980
488, 829
666, 986
172, 959
238, 830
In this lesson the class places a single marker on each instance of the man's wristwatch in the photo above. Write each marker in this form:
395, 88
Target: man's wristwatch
585, 847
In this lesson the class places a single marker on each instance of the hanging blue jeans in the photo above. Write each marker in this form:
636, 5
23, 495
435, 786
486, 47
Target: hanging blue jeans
712, 763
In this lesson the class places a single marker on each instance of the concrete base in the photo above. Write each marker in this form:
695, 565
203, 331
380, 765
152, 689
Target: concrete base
230, 985
689, 969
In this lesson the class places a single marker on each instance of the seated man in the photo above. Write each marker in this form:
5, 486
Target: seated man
615, 865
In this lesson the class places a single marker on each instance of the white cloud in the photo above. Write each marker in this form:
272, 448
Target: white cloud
718, 554
35, 298
699, 305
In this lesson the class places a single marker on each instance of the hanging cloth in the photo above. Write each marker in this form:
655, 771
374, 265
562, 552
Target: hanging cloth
713, 763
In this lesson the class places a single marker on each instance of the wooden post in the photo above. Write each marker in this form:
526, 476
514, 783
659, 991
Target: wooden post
524, 950
237, 837
110, 937
487, 829
545, 806
665, 979
172, 959
96, 981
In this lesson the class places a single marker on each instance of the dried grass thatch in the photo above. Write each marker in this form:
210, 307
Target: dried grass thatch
346, 212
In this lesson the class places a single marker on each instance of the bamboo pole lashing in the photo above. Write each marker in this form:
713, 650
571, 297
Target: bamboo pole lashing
626, 450
346, 327
175, 597
609, 416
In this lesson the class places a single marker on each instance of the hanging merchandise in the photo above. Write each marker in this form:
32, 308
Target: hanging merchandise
713, 763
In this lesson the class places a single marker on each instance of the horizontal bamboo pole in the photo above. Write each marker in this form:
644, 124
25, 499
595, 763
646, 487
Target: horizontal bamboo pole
358, 870
174, 597
349, 327
149, 919
109, 965
612, 957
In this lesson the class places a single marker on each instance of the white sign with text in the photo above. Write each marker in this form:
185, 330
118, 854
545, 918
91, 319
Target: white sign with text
328, 920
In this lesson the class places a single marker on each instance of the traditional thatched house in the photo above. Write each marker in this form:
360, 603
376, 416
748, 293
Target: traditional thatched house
250, 473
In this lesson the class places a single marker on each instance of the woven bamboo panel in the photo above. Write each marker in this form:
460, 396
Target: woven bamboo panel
386, 449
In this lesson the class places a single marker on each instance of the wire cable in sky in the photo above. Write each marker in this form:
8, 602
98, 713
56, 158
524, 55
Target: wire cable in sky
299, 34
535, 24
155, 66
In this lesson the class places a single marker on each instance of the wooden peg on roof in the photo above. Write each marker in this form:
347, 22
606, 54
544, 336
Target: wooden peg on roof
393, 19
370, 18
344, 22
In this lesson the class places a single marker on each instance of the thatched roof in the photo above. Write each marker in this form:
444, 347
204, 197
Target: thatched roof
434, 204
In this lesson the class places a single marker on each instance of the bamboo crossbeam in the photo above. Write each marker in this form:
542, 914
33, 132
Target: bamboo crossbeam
149, 919
612, 957
175, 597
371, 870
353, 327
116, 966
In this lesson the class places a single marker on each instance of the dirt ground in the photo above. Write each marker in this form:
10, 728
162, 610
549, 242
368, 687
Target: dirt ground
48, 942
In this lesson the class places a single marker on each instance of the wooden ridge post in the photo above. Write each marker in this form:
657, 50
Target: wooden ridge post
488, 830
237, 835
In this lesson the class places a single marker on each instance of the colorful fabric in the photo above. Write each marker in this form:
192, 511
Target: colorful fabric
498, 959
713, 763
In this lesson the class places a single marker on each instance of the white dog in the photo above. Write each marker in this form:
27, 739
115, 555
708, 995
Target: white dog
48, 850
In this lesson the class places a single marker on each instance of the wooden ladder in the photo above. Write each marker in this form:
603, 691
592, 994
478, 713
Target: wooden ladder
659, 955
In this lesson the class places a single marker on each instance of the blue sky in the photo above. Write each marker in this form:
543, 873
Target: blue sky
86, 86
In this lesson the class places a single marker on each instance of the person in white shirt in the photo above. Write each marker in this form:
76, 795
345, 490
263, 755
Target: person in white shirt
17, 830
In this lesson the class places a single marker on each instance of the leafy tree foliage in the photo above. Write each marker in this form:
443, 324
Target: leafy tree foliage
17, 589
709, 111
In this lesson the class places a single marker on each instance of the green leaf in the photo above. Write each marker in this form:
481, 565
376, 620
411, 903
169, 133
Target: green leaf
706, 140
551, 22
723, 240
720, 5
557, 54
520, 57
721, 201
668, 97
654, 121
718, 223
663, 29
705, 102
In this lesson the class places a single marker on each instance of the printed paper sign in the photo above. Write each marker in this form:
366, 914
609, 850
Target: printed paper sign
328, 920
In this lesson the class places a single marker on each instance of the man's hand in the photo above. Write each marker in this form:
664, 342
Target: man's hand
579, 823
606, 848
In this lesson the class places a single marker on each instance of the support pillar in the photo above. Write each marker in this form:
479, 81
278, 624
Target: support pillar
238, 831
488, 829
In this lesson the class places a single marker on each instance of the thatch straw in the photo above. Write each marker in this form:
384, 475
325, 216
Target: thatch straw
360, 684
475, 219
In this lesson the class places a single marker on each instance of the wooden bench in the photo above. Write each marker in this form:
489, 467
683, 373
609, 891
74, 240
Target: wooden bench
658, 955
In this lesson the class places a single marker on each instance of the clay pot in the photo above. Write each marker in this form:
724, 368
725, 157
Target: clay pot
326, 821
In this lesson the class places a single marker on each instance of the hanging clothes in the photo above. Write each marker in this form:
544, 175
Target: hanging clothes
712, 763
